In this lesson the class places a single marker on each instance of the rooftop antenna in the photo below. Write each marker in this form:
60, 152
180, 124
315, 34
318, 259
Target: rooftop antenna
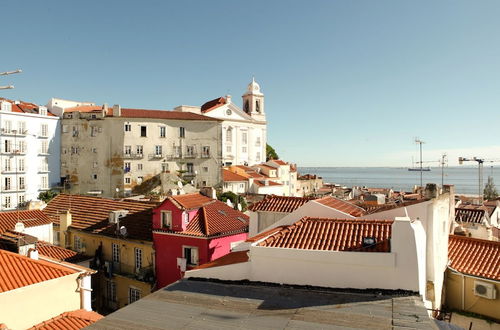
6, 73
420, 142
443, 162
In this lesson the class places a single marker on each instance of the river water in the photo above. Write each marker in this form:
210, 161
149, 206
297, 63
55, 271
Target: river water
465, 179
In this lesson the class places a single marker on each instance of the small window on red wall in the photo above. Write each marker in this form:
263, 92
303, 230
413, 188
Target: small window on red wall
166, 219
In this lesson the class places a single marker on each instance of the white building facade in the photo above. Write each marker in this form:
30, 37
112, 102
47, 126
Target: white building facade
30, 152
244, 131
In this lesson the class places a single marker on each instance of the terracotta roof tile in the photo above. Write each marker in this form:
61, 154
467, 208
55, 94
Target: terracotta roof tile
262, 183
213, 104
92, 214
164, 114
264, 234
469, 215
333, 235
30, 218
25, 107
284, 204
58, 253
279, 162
228, 259
84, 108
342, 206
217, 219
474, 256
17, 271
371, 209
228, 176
78, 319
190, 201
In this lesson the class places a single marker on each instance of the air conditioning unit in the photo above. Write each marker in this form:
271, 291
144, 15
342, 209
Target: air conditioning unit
485, 290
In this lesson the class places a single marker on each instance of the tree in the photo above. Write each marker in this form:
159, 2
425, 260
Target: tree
46, 196
234, 198
271, 153
490, 191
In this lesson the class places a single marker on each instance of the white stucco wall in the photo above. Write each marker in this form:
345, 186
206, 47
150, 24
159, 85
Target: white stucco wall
43, 232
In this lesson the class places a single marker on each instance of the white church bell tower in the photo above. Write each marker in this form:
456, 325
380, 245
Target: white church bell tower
253, 101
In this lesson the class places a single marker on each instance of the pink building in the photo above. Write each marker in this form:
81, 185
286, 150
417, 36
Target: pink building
190, 230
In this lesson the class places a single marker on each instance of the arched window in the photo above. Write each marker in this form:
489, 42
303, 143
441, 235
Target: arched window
247, 106
257, 106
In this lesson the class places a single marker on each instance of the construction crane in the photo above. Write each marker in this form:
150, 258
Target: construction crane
6, 73
480, 162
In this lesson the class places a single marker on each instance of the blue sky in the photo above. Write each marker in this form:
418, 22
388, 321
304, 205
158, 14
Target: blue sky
347, 83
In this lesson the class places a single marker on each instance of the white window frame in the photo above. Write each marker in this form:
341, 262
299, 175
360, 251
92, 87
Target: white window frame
194, 255
77, 243
138, 258
111, 291
166, 219
134, 294
115, 252
163, 131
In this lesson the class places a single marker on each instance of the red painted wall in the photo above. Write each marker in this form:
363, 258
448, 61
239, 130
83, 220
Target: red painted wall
177, 223
169, 247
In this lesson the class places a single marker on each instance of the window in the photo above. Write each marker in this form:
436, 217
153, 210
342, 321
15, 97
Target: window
177, 151
77, 244
42, 111
75, 131
257, 156
190, 151
44, 129
22, 127
242, 185
7, 146
158, 150
128, 127
57, 237
133, 295
6, 202
8, 126
44, 149
22, 199
45, 182
6, 165
247, 106
185, 215
229, 148
22, 147
205, 169
163, 131
127, 150
143, 131
139, 167
244, 149
164, 167
139, 149
244, 136
127, 180
115, 251
94, 176
6, 183
205, 151
22, 183
94, 130
111, 291
94, 150
138, 258
166, 219
21, 165
257, 141
63, 164
65, 128
257, 106
190, 168
191, 255
229, 135
126, 167
182, 132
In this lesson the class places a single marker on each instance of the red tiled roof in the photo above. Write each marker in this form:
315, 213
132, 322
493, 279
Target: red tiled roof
342, 206
284, 204
215, 219
17, 271
279, 162
264, 234
469, 215
92, 214
25, 107
84, 108
262, 183
228, 176
76, 320
371, 209
30, 218
164, 114
474, 256
57, 252
190, 201
228, 259
213, 104
333, 235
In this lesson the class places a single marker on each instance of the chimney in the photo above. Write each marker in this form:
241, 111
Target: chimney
117, 110
228, 99
64, 223
105, 109
431, 191
33, 254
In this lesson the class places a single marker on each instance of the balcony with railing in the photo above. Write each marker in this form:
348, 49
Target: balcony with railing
43, 169
156, 156
190, 155
145, 274
174, 156
133, 155
205, 154
14, 132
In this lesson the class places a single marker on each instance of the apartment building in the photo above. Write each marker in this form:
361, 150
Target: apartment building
29, 152
115, 152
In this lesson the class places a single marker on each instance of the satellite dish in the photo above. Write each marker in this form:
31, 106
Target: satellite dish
239, 207
117, 189
228, 202
123, 231
179, 184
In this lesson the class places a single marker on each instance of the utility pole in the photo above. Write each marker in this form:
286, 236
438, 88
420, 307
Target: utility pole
6, 73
